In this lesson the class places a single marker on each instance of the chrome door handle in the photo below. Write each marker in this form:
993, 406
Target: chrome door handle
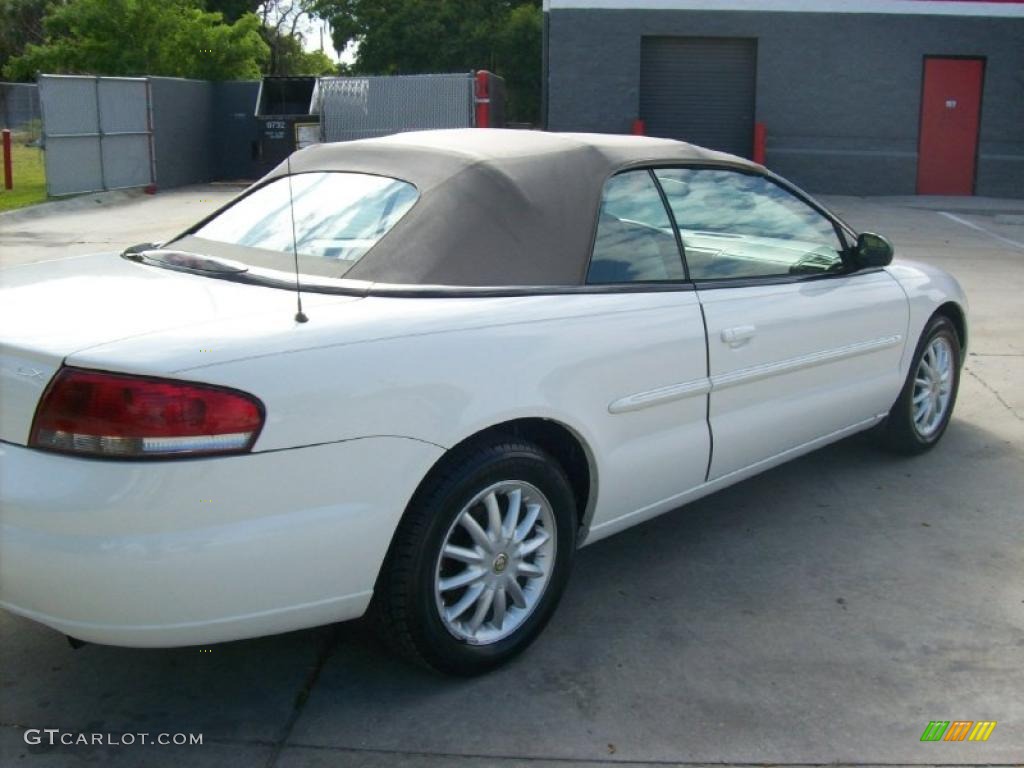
739, 335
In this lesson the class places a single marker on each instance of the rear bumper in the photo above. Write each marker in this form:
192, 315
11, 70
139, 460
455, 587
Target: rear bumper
204, 550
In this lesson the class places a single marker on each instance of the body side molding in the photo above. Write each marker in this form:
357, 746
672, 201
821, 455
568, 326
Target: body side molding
703, 386
764, 371
660, 396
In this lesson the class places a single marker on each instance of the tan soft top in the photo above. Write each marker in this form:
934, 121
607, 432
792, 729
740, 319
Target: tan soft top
497, 207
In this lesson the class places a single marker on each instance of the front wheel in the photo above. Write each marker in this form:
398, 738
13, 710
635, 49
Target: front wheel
920, 416
480, 559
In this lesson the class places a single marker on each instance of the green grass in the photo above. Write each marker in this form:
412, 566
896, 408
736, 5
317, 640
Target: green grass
29, 176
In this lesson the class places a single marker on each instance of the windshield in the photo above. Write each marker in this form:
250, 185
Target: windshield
338, 218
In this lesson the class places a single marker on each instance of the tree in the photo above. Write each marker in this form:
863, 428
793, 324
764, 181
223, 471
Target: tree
287, 57
282, 33
232, 10
22, 24
416, 36
174, 38
518, 59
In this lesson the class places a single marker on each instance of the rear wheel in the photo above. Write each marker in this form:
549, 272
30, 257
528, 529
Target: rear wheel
479, 561
920, 416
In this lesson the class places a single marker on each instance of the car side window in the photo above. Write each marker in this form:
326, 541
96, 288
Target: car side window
736, 225
635, 242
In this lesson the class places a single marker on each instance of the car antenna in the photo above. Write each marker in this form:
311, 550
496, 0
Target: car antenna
300, 316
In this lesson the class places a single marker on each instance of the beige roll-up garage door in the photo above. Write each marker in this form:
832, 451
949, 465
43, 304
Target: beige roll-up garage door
700, 90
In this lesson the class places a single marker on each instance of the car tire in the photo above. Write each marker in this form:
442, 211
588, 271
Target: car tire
478, 505
932, 383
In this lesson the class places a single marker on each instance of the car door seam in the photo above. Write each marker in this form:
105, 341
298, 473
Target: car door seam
707, 399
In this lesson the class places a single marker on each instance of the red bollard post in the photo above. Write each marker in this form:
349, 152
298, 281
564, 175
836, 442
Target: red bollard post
8, 171
482, 99
760, 140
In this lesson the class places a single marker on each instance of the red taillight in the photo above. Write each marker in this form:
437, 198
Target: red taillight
115, 415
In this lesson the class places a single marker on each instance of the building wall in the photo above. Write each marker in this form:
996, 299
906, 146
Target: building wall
839, 92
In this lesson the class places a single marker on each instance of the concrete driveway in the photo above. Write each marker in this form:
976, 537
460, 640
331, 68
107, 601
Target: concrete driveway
821, 613
104, 221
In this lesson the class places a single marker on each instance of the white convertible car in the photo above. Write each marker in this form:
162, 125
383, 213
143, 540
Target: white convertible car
510, 344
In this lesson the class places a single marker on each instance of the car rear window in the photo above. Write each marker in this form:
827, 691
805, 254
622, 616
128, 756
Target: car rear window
338, 218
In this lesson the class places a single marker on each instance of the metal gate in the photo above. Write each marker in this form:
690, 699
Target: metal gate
700, 90
363, 107
97, 132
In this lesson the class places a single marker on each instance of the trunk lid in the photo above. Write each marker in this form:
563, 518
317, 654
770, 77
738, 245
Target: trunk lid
52, 310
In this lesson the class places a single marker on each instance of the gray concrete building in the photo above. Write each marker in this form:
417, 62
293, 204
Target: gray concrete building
861, 97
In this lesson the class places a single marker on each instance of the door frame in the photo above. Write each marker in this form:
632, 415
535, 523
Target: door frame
920, 113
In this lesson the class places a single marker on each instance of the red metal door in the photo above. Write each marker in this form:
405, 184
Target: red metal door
950, 111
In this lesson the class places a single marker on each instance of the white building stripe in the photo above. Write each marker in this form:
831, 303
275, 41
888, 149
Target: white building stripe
1010, 8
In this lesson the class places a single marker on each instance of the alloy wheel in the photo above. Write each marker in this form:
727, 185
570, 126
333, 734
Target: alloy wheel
933, 387
495, 562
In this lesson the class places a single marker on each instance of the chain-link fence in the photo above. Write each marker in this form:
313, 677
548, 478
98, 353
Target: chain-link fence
19, 105
96, 131
363, 107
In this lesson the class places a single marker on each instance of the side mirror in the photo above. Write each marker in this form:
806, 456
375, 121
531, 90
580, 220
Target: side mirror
872, 250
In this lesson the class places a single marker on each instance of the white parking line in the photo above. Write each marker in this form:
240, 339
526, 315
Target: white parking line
972, 225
